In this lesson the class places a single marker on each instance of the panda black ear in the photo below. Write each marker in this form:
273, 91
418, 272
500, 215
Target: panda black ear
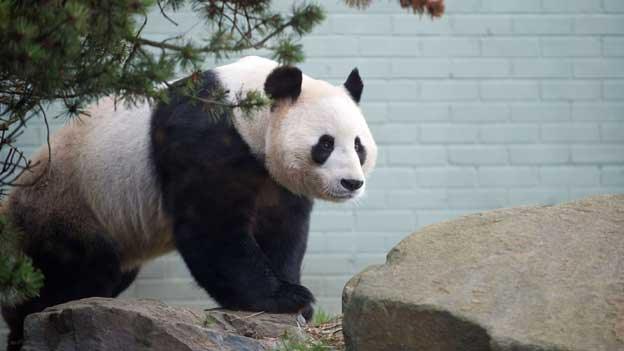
284, 82
354, 85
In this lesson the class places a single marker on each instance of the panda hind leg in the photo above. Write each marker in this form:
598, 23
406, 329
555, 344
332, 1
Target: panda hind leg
73, 269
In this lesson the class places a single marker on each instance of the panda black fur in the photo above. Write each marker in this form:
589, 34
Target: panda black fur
233, 198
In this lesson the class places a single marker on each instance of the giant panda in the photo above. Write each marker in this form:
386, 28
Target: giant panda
232, 195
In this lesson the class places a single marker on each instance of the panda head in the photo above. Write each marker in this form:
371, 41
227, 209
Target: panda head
318, 143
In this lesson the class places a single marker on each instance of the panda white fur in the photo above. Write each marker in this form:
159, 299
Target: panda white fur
127, 185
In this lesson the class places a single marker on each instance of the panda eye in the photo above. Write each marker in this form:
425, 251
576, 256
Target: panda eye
358, 144
327, 142
323, 149
361, 152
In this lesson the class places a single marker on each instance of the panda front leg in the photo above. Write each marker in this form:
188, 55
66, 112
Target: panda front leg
281, 230
213, 236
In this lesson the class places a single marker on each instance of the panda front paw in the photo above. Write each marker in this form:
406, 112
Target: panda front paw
293, 298
307, 313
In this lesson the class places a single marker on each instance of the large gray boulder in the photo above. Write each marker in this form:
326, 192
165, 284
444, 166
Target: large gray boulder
98, 324
527, 278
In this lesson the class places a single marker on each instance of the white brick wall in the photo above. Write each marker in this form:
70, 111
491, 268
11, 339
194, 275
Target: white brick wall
500, 103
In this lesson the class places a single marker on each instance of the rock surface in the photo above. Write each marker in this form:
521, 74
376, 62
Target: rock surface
98, 324
528, 278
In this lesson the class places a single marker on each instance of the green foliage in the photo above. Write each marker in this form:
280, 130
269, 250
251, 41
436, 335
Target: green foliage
19, 280
292, 343
321, 317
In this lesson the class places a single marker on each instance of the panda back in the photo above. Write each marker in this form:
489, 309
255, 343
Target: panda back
118, 179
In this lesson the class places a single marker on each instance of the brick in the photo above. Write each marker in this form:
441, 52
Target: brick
542, 24
369, 68
477, 155
599, 24
613, 46
482, 25
374, 112
30, 135
328, 264
397, 221
317, 243
579, 193
418, 112
154, 270
392, 239
370, 242
599, 68
391, 178
478, 199
598, 154
452, 177
389, 46
448, 134
360, 24
421, 68
334, 221
410, 25
331, 305
570, 175
539, 154
334, 285
480, 112
416, 155
571, 90
612, 132
509, 90
507, 176
480, 68
462, 6
541, 68
510, 47
598, 111
509, 134
613, 90
580, 6
373, 198
158, 24
395, 133
342, 242
318, 68
391, 91
505, 6
323, 46
614, 5
419, 199
569, 133
541, 196
316, 284
366, 260
566, 47
450, 91
612, 175
450, 47
430, 217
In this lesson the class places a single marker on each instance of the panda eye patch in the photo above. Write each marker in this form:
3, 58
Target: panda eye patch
360, 150
322, 149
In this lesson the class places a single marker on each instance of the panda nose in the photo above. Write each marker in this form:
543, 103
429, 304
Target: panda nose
351, 184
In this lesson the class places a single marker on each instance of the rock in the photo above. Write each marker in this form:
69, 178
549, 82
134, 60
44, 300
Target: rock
98, 324
527, 278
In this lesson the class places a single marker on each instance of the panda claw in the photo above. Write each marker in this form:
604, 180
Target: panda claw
293, 298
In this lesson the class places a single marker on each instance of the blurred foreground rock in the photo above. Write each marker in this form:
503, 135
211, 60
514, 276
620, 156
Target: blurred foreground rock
527, 278
99, 324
